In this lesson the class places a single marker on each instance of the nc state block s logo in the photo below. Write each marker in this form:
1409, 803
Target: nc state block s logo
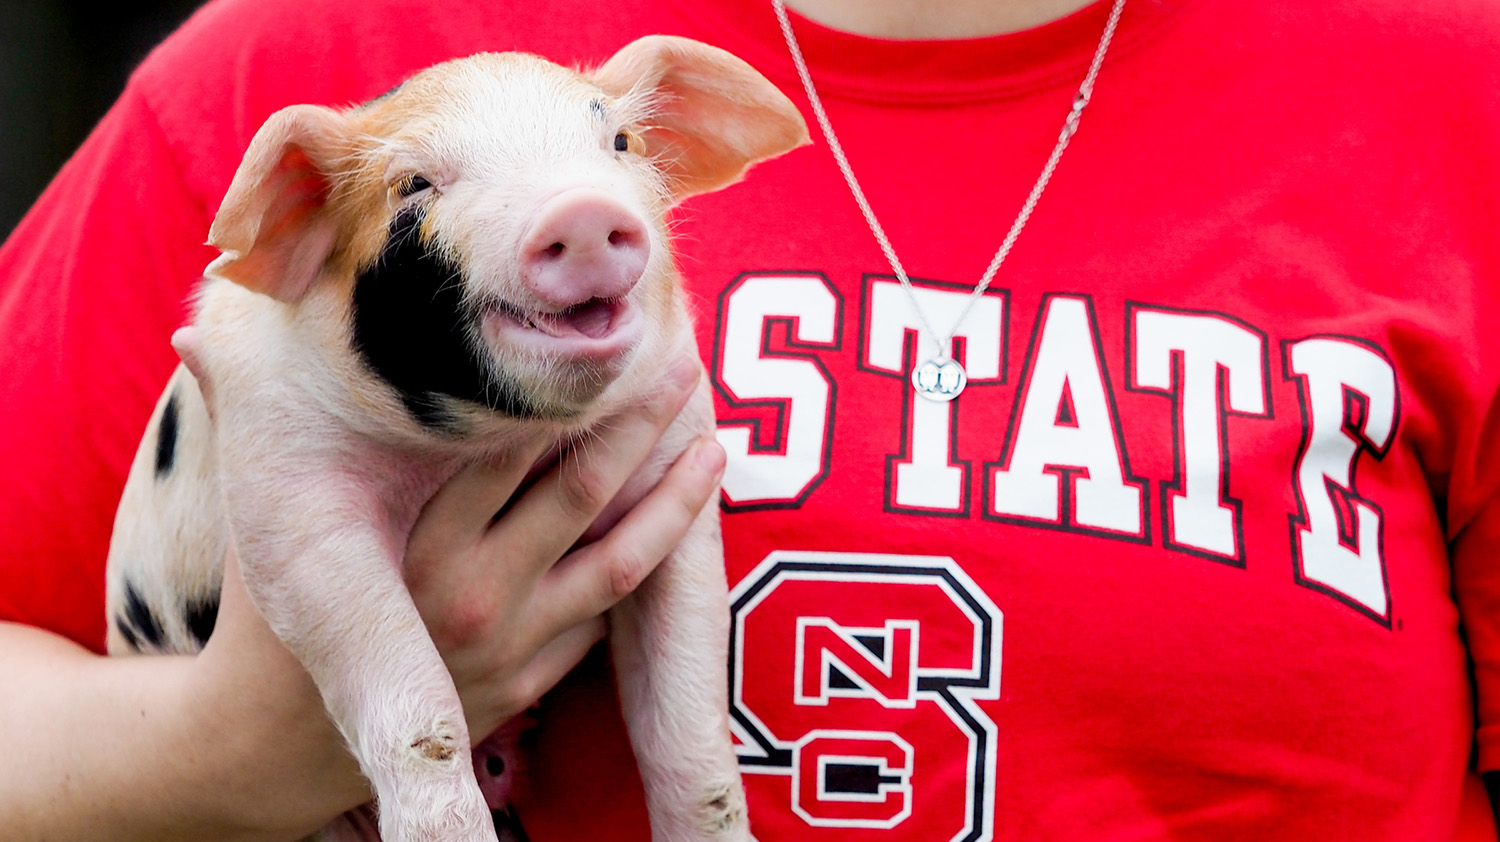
854, 681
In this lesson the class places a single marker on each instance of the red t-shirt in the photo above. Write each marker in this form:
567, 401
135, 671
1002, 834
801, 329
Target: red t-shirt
1205, 550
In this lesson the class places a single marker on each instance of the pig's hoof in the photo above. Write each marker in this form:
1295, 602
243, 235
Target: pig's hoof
435, 798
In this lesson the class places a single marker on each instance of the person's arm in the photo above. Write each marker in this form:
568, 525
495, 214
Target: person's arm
168, 747
233, 744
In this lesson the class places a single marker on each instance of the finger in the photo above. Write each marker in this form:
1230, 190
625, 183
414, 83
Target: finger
597, 576
464, 506
549, 518
554, 660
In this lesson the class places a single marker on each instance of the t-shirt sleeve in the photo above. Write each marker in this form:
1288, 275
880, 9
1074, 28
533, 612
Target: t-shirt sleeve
92, 283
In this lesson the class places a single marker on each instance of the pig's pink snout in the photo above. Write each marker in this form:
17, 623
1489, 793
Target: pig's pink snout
583, 245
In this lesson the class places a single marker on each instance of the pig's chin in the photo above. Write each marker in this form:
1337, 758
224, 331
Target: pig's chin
598, 331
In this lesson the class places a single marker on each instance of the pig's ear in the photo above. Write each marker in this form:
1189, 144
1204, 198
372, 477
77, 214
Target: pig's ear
715, 115
273, 229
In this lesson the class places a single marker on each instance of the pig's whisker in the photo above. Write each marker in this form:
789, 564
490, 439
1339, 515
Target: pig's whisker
455, 280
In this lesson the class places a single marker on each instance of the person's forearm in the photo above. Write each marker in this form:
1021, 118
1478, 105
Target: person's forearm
144, 748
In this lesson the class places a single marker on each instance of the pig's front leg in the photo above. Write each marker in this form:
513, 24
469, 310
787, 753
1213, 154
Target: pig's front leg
670, 641
322, 561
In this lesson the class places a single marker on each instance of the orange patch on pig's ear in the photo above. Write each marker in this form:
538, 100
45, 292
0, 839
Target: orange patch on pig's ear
716, 116
274, 228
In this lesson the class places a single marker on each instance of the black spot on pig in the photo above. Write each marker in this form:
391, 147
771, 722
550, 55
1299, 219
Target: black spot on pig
166, 438
414, 329
200, 617
146, 628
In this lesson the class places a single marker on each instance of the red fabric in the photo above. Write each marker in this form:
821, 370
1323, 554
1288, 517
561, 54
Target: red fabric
1312, 183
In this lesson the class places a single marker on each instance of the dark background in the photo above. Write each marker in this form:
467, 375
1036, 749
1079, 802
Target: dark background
62, 63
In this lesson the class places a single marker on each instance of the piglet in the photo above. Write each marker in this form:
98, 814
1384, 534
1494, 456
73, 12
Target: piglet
472, 261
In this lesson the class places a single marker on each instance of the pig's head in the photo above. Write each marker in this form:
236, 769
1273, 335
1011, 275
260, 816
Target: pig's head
487, 239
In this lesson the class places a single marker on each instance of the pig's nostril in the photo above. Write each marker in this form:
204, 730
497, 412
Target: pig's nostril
555, 250
621, 238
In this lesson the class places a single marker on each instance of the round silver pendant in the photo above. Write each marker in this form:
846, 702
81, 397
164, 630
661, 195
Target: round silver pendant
939, 379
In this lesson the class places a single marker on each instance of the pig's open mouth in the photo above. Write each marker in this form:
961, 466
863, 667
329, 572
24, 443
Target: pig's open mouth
599, 329
594, 319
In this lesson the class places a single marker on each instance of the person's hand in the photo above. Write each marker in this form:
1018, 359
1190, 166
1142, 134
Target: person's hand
508, 601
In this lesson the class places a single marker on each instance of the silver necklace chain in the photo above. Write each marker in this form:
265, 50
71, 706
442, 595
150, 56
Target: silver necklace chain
944, 379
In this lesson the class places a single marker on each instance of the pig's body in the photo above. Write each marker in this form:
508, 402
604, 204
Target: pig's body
460, 269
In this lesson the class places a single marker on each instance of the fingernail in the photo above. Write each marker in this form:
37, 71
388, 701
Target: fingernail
710, 455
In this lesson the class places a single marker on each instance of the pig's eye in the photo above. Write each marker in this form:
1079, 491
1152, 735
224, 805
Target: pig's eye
412, 186
628, 141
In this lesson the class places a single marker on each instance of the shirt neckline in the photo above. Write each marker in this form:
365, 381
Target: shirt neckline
926, 72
